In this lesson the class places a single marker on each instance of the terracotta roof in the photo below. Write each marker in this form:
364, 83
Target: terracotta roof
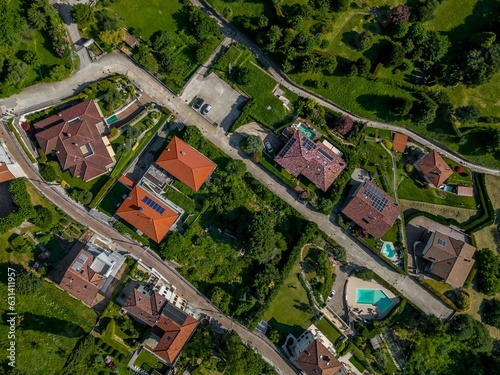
130, 40
154, 223
434, 168
145, 307
80, 280
317, 360
5, 174
126, 181
173, 330
73, 135
372, 209
465, 191
451, 259
399, 143
185, 163
313, 160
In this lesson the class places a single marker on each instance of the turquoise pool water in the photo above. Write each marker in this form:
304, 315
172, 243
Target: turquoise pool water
373, 297
388, 250
304, 129
112, 119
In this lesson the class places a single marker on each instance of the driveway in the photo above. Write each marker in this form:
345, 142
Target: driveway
255, 128
225, 101
337, 303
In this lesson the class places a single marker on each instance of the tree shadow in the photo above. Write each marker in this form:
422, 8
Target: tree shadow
349, 38
377, 104
295, 329
47, 324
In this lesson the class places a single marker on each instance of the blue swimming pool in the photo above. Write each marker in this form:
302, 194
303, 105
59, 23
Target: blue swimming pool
373, 297
388, 250
304, 129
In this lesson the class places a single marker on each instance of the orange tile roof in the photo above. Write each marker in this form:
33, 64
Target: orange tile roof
126, 181
399, 143
174, 328
185, 163
434, 168
153, 224
5, 174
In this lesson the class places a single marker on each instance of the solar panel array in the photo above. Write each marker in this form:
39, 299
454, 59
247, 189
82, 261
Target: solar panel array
155, 206
379, 201
325, 154
287, 147
308, 144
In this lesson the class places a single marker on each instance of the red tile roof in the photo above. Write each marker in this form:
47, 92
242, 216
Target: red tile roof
399, 143
73, 135
145, 307
434, 168
451, 259
80, 280
317, 360
174, 328
126, 181
5, 174
313, 160
185, 163
372, 209
149, 221
130, 40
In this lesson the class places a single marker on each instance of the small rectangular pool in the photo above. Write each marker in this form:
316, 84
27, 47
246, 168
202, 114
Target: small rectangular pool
373, 297
305, 130
111, 120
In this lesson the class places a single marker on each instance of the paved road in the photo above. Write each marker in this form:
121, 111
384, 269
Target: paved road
234, 33
184, 288
116, 62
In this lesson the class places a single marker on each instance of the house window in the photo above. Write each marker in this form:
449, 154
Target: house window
441, 243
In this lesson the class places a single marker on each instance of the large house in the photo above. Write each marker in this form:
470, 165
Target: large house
186, 164
145, 305
91, 273
147, 213
313, 160
171, 332
448, 258
372, 209
73, 136
433, 168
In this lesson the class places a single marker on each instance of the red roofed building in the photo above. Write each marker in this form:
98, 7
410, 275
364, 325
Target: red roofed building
399, 142
145, 306
147, 213
5, 173
433, 168
313, 160
72, 134
81, 281
185, 163
372, 209
317, 360
169, 335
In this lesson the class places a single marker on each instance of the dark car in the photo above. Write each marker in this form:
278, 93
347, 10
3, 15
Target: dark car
198, 103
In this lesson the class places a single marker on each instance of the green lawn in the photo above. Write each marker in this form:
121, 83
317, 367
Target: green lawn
109, 203
50, 323
379, 163
180, 199
356, 363
414, 189
289, 311
93, 185
264, 107
328, 330
392, 234
149, 362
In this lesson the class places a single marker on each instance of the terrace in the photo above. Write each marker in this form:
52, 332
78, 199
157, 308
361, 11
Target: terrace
369, 300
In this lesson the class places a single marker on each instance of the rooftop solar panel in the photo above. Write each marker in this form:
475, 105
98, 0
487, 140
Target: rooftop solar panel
287, 147
379, 200
155, 206
325, 154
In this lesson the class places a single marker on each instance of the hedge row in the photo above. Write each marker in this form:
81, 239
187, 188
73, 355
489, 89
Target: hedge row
101, 193
20, 141
488, 217
440, 295
22, 200
123, 228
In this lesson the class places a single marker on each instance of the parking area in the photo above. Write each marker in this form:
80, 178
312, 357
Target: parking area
225, 101
255, 128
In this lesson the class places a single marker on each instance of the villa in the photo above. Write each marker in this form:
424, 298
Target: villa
186, 164
433, 169
74, 137
313, 160
372, 209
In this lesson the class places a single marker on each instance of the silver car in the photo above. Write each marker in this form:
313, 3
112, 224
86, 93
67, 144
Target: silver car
207, 109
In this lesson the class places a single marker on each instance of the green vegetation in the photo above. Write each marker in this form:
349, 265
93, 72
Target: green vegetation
149, 362
34, 45
22, 200
109, 204
491, 312
174, 39
263, 106
49, 324
488, 274
180, 199
328, 330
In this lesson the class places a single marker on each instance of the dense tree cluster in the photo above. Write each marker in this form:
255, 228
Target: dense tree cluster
488, 273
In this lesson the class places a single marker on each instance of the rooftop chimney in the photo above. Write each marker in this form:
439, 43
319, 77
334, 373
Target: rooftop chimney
141, 209
129, 197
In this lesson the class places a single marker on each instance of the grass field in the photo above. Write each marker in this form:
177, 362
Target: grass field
458, 213
476, 306
328, 330
108, 204
296, 317
489, 237
50, 323
149, 362
264, 107
93, 185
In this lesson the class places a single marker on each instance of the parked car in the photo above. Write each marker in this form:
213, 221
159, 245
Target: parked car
269, 148
207, 109
332, 293
198, 103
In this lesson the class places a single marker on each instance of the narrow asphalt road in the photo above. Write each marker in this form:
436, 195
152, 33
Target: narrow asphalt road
229, 30
184, 288
116, 62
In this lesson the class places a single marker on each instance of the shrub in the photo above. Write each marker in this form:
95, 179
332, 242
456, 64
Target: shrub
81, 196
491, 312
365, 274
49, 173
463, 300
43, 217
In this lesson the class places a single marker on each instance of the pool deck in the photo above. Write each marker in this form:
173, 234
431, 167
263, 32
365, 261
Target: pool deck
362, 310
